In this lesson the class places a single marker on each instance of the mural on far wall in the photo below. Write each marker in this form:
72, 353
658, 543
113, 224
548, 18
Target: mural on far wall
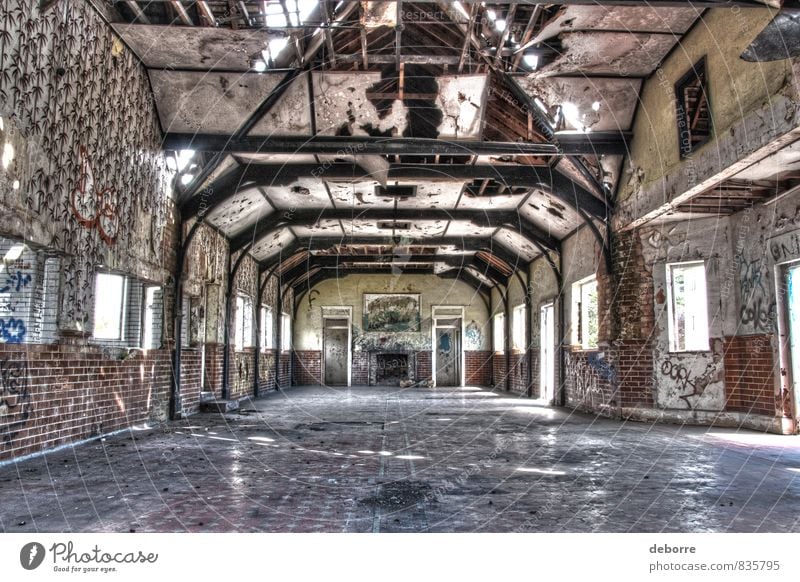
391, 312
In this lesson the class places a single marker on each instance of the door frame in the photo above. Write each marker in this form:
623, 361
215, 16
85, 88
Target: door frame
551, 345
786, 364
338, 312
436, 314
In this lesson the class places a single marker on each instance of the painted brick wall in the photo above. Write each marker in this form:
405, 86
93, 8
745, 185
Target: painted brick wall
750, 376
57, 394
266, 371
191, 367
499, 369
307, 368
242, 373
519, 373
478, 368
285, 369
360, 374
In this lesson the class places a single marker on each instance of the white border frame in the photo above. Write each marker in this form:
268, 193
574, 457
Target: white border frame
434, 319
331, 315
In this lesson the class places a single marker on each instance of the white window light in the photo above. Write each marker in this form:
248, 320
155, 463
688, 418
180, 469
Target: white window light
500, 24
286, 332
14, 253
499, 332
244, 322
518, 327
182, 159
109, 306
186, 179
596, 106
687, 307
266, 327
8, 155
585, 314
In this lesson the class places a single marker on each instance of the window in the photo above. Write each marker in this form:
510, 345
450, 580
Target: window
130, 312
518, 329
109, 313
687, 307
266, 328
585, 318
244, 322
499, 332
151, 337
286, 332
692, 110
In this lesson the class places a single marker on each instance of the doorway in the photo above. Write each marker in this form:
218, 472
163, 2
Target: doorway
547, 359
793, 320
448, 355
336, 349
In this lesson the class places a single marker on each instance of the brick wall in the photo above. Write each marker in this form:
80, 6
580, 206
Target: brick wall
499, 370
478, 368
634, 373
57, 394
191, 367
519, 373
285, 369
750, 376
307, 368
241, 373
590, 382
360, 374
266, 371
213, 372
424, 366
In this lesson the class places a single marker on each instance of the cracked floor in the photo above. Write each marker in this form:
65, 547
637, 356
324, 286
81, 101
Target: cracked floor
377, 459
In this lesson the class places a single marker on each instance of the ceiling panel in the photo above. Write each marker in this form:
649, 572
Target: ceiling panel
269, 246
516, 243
619, 18
216, 103
239, 212
609, 53
302, 193
550, 214
291, 115
324, 228
603, 103
467, 229
461, 100
194, 47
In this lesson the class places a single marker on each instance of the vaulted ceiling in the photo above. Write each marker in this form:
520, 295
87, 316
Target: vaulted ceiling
455, 137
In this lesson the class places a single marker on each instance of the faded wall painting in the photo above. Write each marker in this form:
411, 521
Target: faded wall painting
391, 312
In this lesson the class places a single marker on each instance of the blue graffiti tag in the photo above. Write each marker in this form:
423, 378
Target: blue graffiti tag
15, 281
12, 331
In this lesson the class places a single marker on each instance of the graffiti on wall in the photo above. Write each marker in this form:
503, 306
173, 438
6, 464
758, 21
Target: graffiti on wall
473, 336
15, 398
758, 309
12, 330
100, 177
688, 385
583, 378
93, 205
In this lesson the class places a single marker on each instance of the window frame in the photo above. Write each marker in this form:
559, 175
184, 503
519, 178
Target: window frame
672, 339
246, 342
580, 322
499, 339
286, 332
123, 308
518, 328
265, 327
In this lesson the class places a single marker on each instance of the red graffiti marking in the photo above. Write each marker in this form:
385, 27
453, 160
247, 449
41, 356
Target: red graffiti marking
93, 206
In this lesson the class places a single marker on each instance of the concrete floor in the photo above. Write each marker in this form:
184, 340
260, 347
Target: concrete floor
414, 460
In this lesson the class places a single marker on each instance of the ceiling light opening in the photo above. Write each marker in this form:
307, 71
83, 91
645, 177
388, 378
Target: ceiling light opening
396, 191
531, 61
